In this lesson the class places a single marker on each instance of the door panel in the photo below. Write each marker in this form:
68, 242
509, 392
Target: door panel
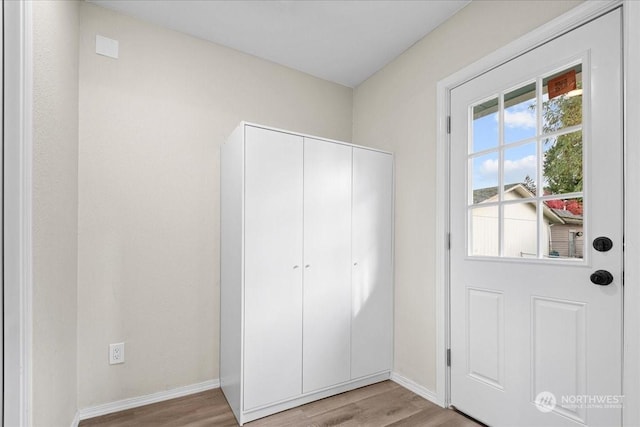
327, 261
536, 176
485, 340
372, 292
273, 267
559, 334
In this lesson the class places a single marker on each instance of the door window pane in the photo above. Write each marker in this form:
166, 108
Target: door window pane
562, 164
520, 114
485, 178
485, 231
520, 230
564, 108
564, 228
520, 167
485, 125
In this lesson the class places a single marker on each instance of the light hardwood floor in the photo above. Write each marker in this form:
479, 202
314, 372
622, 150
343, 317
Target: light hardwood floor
382, 404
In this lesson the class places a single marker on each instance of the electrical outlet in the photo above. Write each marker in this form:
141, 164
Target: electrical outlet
116, 353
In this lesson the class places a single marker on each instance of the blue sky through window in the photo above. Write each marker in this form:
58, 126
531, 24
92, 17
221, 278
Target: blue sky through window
519, 161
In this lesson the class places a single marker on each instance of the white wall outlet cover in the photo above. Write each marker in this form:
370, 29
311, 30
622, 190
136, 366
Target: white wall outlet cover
107, 47
116, 353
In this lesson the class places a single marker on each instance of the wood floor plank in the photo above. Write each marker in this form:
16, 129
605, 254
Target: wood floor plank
383, 409
330, 403
433, 416
379, 405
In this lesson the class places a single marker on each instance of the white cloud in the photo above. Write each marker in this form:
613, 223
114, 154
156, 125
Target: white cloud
514, 171
519, 116
520, 119
525, 163
488, 167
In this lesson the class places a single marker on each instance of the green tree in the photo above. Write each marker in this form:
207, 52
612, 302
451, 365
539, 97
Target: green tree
530, 184
562, 165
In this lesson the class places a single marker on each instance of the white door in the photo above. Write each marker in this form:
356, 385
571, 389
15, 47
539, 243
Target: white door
536, 180
327, 264
273, 267
372, 310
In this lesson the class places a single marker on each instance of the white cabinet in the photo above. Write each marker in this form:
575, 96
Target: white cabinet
272, 261
306, 269
372, 322
327, 261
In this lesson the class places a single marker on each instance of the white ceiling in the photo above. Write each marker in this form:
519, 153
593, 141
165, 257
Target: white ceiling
341, 41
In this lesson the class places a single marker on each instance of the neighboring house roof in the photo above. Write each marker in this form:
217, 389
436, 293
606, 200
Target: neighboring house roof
568, 217
490, 194
483, 194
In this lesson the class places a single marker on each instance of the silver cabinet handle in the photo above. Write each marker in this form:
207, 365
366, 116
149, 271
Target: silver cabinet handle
296, 266
307, 266
355, 264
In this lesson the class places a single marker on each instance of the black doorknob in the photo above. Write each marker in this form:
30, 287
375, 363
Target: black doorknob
602, 278
602, 244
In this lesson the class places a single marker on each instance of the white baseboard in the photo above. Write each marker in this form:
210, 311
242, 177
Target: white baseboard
76, 420
416, 388
134, 402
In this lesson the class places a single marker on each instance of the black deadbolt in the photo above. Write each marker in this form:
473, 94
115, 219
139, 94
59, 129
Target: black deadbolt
602, 244
602, 278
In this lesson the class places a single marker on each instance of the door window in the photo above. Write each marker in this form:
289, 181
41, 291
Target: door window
525, 170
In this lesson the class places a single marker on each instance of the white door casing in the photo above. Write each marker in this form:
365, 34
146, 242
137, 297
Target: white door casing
509, 317
17, 212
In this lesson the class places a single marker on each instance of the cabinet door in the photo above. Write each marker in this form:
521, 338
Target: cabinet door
372, 323
273, 267
327, 259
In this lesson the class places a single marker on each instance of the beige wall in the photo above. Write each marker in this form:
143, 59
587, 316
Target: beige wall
144, 200
55, 218
151, 124
396, 110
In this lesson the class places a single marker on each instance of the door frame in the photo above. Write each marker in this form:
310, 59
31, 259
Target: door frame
577, 16
17, 208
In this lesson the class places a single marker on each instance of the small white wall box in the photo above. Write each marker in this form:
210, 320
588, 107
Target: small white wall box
107, 47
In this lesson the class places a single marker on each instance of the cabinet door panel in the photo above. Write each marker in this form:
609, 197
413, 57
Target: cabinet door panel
372, 323
327, 259
273, 287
